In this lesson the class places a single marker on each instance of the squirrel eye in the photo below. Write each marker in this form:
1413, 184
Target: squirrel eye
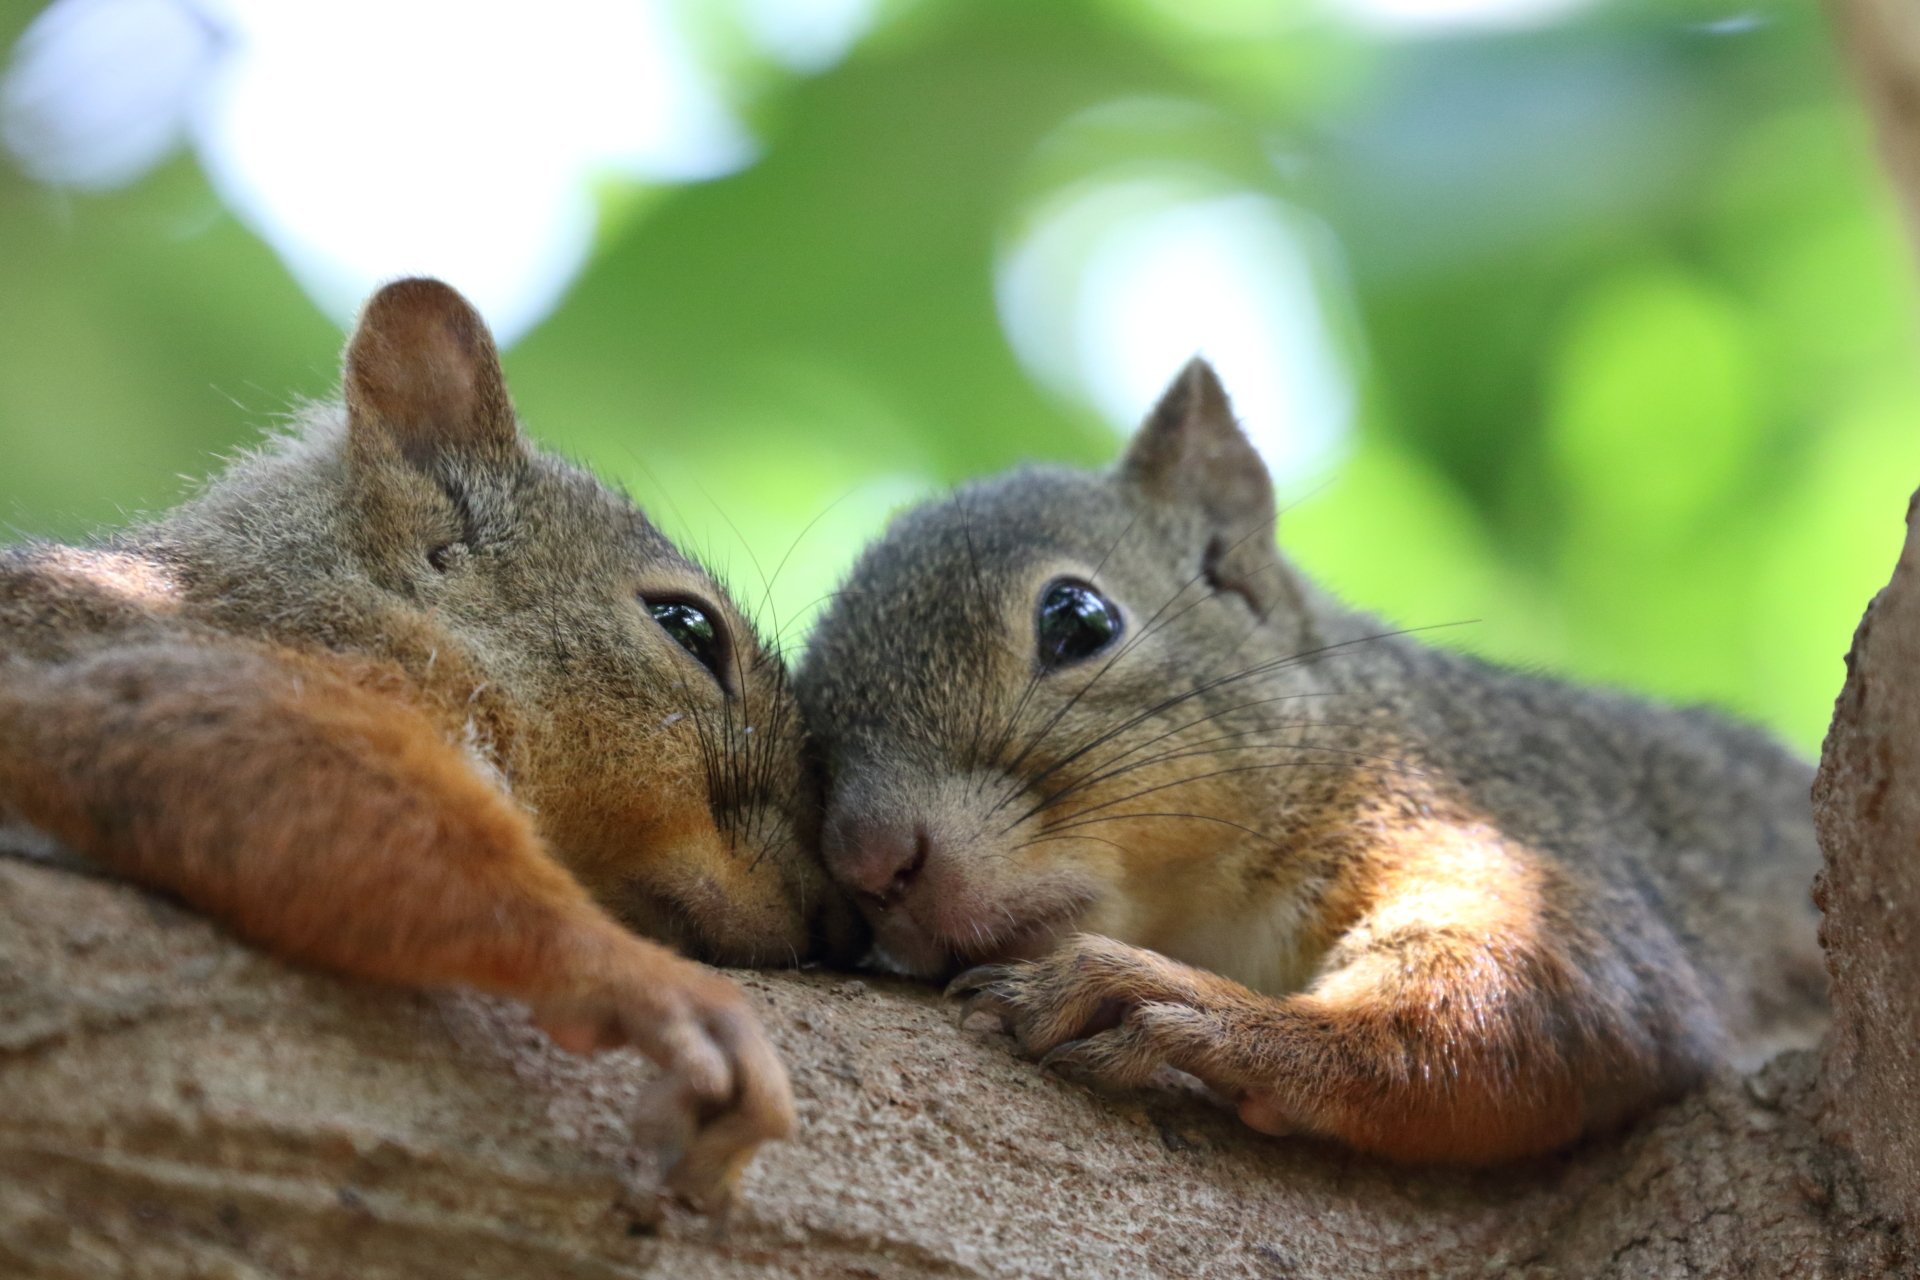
1074, 622
692, 629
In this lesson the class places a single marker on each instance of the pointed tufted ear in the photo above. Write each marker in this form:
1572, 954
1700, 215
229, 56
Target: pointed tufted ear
1191, 455
423, 381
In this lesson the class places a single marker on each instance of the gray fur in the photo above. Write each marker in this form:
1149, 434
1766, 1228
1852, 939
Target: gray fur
1683, 842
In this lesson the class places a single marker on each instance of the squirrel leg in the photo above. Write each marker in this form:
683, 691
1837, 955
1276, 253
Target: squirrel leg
1417, 1048
336, 827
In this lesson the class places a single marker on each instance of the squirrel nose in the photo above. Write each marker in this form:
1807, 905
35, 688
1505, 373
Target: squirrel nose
878, 860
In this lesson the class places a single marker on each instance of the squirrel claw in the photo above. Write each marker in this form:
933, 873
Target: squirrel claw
705, 1185
1121, 1057
1062, 1059
983, 992
975, 980
1089, 1063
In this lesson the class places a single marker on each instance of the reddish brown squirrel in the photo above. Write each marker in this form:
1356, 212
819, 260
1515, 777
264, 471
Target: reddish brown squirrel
402, 697
1094, 733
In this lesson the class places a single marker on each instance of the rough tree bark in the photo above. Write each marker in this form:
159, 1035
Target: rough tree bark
1867, 805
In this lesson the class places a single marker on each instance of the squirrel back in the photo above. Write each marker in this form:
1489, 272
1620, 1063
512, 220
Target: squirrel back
1057, 704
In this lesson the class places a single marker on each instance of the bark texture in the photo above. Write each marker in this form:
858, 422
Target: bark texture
1867, 804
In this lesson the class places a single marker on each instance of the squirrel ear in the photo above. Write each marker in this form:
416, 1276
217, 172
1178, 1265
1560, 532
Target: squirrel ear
423, 378
1191, 452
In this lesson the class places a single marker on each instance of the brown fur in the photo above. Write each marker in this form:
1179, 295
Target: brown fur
1363, 888
386, 699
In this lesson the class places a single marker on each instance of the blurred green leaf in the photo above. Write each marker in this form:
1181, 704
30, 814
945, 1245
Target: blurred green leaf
1654, 409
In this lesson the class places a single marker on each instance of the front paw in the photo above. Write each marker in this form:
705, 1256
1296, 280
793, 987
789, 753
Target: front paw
726, 1133
728, 1085
1095, 1007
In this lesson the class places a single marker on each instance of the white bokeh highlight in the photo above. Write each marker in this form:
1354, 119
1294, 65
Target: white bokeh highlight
462, 142
807, 35
1439, 17
365, 139
1116, 284
100, 91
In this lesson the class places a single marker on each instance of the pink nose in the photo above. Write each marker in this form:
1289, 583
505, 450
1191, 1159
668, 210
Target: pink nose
878, 859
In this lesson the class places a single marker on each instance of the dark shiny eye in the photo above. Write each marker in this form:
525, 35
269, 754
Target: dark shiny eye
692, 628
1074, 622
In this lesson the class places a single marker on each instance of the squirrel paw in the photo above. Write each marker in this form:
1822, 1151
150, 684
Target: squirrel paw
725, 1082
1101, 1010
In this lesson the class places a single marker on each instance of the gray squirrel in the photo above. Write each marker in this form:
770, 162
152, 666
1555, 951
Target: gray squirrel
1097, 748
402, 697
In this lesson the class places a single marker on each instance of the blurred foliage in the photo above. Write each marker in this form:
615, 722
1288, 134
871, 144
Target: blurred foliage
1628, 309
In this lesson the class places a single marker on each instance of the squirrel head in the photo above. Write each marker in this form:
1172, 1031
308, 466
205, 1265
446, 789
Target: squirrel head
1034, 696
605, 678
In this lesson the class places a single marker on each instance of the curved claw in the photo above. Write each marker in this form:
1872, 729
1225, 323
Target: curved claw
983, 989
1061, 1058
705, 1182
975, 979
993, 1001
1082, 1062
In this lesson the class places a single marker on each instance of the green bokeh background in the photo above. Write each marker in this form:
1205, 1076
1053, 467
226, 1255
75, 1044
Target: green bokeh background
1628, 306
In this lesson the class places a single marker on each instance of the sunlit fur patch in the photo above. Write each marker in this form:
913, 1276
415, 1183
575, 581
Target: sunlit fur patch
1447, 869
482, 753
1266, 943
132, 579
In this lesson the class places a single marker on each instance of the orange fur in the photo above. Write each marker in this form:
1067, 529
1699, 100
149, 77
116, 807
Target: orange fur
216, 771
1455, 1013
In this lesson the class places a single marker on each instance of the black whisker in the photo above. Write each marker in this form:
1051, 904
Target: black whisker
1151, 627
1395, 763
1057, 839
1039, 735
780, 636
1199, 720
1188, 781
1194, 817
794, 546
1295, 659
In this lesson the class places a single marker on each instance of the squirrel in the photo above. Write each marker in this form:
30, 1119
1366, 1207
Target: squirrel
1093, 740
400, 696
